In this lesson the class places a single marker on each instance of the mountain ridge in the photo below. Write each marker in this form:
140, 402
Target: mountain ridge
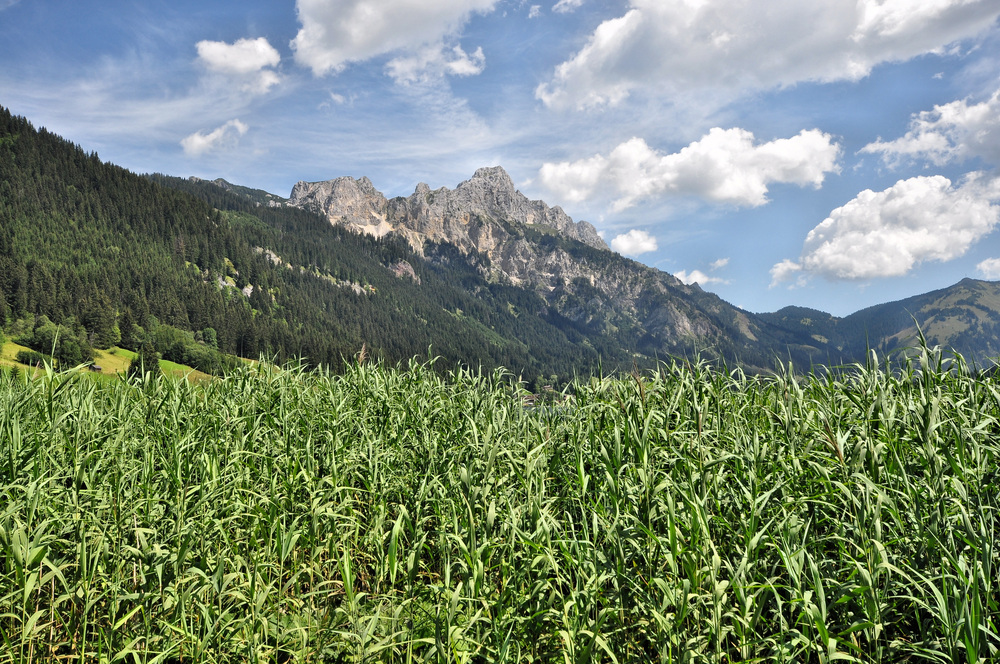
806, 335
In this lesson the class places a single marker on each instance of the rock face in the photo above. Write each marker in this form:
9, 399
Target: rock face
524, 243
345, 201
471, 216
483, 215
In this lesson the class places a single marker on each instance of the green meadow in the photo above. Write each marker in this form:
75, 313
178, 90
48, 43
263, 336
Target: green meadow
389, 514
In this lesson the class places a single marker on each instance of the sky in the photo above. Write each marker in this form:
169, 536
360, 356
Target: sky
833, 154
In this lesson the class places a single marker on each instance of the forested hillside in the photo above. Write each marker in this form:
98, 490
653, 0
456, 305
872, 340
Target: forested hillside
110, 256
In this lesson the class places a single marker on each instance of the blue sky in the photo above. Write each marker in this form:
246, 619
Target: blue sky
833, 154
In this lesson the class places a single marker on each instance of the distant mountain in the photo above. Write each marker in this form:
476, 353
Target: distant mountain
255, 196
964, 317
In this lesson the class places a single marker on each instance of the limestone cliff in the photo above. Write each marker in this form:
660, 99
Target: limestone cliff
475, 215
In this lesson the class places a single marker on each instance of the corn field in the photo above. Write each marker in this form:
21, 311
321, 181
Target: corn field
391, 515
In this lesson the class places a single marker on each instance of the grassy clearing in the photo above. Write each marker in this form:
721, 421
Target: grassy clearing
112, 362
390, 515
8, 355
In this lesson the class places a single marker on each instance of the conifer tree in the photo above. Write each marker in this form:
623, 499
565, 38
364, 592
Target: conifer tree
148, 360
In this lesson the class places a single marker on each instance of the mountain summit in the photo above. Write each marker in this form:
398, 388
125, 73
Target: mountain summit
475, 216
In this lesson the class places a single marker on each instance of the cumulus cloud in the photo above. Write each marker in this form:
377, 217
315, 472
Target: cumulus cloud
724, 166
435, 61
634, 243
699, 277
888, 233
951, 132
735, 46
785, 271
534, 11
989, 269
243, 56
223, 137
337, 32
249, 60
566, 6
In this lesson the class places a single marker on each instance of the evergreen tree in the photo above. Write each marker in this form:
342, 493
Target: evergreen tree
99, 320
148, 360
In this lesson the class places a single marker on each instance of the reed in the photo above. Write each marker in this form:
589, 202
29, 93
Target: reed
389, 514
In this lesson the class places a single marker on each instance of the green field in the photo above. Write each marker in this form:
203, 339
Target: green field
112, 361
391, 515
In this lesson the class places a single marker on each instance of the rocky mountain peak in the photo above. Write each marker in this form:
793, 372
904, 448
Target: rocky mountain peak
481, 214
493, 177
354, 203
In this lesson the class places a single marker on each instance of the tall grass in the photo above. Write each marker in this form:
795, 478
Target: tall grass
391, 515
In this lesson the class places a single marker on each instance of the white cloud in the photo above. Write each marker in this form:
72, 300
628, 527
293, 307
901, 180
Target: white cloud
264, 81
435, 61
989, 269
534, 11
725, 166
698, 277
246, 59
784, 271
337, 32
634, 243
718, 264
223, 137
243, 56
732, 46
888, 233
951, 132
566, 6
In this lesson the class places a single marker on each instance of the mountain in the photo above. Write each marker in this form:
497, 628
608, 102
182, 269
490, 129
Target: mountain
113, 257
480, 214
964, 317
477, 275
651, 313
527, 244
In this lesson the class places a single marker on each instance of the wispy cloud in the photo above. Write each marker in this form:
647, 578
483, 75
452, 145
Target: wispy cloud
435, 61
719, 264
224, 137
566, 6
